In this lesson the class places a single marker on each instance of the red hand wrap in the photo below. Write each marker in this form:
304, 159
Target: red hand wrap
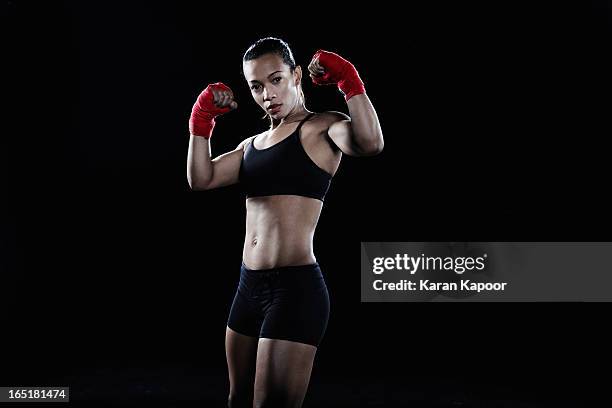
339, 71
204, 111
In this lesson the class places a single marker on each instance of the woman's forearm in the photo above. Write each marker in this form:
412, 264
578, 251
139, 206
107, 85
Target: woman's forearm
367, 133
213, 101
199, 163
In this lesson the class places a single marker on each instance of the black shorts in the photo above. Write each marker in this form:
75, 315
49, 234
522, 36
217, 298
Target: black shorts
287, 303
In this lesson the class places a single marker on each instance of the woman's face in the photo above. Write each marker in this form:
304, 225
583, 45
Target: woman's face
273, 86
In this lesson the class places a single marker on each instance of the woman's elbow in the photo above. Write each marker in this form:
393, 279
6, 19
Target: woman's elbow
196, 185
372, 149
379, 147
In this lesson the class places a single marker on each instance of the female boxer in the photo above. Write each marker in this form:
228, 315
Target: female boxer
281, 307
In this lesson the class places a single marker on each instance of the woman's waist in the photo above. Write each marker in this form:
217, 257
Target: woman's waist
277, 253
292, 278
279, 234
279, 239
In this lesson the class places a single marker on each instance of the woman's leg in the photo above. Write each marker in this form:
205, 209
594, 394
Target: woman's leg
241, 353
293, 327
283, 373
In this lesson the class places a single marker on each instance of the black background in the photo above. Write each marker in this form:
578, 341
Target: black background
117, 279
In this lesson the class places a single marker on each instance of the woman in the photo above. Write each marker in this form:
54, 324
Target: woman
281, 308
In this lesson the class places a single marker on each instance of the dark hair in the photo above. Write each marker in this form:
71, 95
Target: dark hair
272, 45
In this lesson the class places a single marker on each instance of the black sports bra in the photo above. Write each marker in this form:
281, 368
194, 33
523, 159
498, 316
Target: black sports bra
283, 168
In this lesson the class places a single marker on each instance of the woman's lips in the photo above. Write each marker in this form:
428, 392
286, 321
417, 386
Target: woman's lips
274, 108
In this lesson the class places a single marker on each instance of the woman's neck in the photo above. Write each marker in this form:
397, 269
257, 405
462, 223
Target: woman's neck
296, 114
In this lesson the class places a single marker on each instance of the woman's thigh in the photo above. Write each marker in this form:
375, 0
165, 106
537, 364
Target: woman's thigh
283, 372
241, 353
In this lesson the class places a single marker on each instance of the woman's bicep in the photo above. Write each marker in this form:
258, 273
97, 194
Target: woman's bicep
341, 133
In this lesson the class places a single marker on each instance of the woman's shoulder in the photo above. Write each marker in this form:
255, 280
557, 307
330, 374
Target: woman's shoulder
333, 116
248, 140
329, 117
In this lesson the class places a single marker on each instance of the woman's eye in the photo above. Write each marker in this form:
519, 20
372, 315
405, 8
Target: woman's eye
276, 80
255, 87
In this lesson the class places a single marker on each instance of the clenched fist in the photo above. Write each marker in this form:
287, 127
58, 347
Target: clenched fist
328, 68
215, 100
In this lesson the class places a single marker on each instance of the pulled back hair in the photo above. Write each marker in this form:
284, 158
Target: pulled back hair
273, 45
270, 45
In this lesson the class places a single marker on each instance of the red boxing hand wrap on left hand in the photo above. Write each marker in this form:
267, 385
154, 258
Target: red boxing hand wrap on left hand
339, 71
204, 111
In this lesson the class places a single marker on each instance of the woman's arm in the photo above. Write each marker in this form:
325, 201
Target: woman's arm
357, 135
202, 172
206, 174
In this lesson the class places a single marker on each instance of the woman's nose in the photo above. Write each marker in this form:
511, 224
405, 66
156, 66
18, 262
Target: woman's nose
268, 95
